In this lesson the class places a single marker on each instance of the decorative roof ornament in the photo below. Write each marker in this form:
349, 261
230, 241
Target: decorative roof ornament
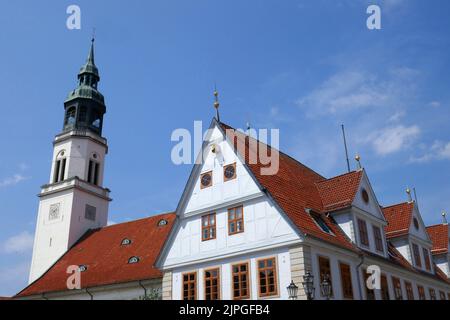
358, 160
444, 217
216, 103
408, 192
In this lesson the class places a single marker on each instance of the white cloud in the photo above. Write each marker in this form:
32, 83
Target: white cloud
20, 243
434, 104
393, 139
438, 151
397, 116
11, 181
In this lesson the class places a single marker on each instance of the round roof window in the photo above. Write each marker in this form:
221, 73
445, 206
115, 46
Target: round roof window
365, 196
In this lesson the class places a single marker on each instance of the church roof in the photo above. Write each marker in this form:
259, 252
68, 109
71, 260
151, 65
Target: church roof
297, 188
106, 258
439, 236
399, 218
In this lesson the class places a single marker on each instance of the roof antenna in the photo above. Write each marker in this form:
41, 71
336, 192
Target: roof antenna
216, 103
444, 217
415, 196
346, 150
93, 34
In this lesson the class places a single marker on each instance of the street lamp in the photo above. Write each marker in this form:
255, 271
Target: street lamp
292, 290
308, 285
325, 287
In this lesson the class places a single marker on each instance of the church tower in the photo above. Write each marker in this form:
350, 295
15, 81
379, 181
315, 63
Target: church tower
74, 200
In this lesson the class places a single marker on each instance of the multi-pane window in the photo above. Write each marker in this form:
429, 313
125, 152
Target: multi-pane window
384, 288
378, 239
363, 235
267, 277
416, 254
190, 286
426, 257
212, 284
442, 295
421, 291
241, 288
325, 271
346, 280
432, 294
320, 222
409, 290
370, 293
235, 220
209, 227
397, 288
93, 172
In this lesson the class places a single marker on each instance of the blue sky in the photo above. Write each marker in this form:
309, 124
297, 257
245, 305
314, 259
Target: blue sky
302, 66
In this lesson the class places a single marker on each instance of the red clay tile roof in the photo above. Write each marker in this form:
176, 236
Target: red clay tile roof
399, 219
293, 188
439, 237
339, 192
106, 259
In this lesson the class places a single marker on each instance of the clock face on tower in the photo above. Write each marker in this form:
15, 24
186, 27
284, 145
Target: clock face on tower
54, 212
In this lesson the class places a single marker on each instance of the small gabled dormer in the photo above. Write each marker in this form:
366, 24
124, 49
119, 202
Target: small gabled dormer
407, 232
351, 201
440, 236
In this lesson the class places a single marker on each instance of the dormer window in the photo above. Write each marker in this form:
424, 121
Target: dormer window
426, 257
126, 242
320, 222
416, 254
162, 223
378, 239
82, 268
133, 260
363, 235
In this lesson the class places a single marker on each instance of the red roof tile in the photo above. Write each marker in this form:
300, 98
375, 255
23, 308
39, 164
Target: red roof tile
339, 192
399, 219
293, 188
439, 237
106, 259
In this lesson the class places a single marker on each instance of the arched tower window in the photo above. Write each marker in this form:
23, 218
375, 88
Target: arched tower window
70, 116
60, 167
94, 169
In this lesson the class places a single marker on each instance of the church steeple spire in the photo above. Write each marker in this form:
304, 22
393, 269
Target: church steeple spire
85, 106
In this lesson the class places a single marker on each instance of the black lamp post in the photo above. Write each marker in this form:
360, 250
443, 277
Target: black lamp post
325, 287
292, 290
308, 285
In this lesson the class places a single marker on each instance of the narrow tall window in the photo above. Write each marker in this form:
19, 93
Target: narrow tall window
432, 294
190, 286
346, 280
409, 290
56, 172
209, 227
212, 284
416, 253
426, 257
442, 295
378, 239
384, 288
421, 293
93, 172
397, 288
63, 170
363, 235
60, 170
235, 220
241, 288
325, 271
370, 293
267, 277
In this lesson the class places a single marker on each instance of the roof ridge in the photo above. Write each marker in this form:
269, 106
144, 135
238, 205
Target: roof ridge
397, 204
136, 220
281, 152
